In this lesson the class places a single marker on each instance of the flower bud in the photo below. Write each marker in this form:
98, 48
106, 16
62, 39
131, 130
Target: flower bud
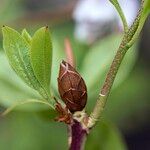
72, 88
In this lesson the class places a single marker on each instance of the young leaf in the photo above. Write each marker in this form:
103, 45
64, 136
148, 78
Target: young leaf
41, 56
17, 51
26, 36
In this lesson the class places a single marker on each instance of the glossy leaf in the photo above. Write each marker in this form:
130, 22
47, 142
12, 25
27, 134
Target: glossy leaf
41, 56
105, 136
8, 76
13, 90
17, 51
11, 95
58, 56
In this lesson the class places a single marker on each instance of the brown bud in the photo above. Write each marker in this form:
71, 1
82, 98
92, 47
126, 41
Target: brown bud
71, 87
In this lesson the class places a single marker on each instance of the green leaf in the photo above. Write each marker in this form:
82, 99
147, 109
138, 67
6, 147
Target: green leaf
105, 136
10, 78
13, 89
58, 55
17, 51
26, 36
41, 56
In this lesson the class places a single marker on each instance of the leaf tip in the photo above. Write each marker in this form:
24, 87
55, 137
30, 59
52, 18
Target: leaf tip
46, 28
5, 28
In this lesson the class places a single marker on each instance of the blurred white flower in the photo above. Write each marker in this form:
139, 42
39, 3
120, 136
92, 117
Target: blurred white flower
95, 18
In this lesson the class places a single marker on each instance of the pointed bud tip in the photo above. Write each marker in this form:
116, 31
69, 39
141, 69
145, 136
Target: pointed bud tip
71, 87
63, 63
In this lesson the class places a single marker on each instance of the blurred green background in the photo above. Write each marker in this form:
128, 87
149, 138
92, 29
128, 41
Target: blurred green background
125, 123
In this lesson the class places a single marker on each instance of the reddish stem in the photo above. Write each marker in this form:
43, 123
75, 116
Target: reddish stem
78, 135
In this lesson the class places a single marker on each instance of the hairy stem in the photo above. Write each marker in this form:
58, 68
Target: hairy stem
127, 41
101, 102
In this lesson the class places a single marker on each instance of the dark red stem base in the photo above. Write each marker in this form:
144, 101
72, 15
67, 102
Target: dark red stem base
78, 136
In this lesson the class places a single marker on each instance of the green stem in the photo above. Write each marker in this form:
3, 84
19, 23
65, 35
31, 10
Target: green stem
104, 93
138, 31
122, 16
127, 41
